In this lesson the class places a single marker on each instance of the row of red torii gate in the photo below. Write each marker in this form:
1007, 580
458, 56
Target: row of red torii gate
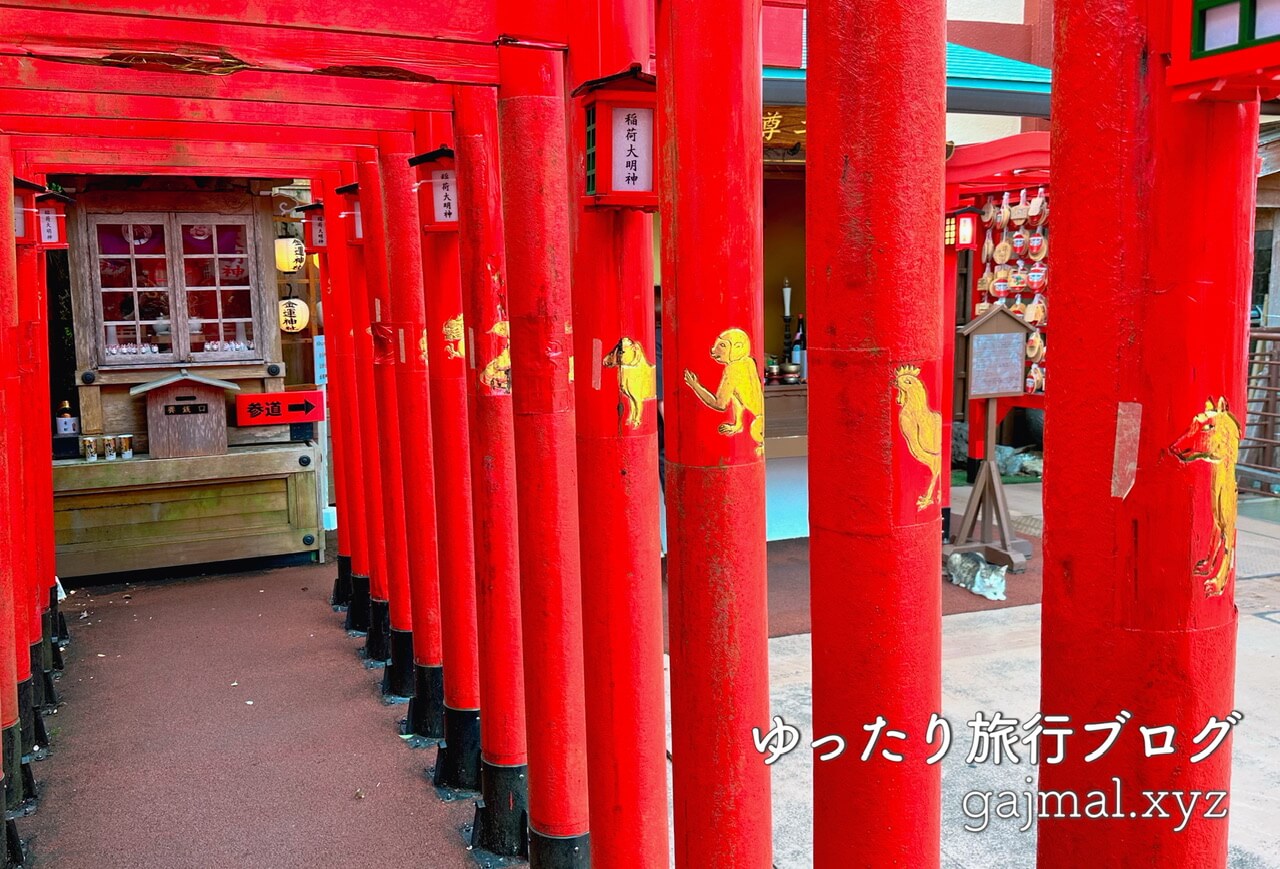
497, 502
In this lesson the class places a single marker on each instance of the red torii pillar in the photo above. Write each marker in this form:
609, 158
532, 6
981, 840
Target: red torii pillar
362, 614
344, 405
535, 209
1148, 406
618, 488
709, 78
337, 400
876, 462
27, 589
501, 824
421, 676
458, 759
11, 649
396, 612
37, 475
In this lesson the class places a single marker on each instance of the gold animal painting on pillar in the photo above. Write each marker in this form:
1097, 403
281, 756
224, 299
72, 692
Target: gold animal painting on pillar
739, 391
637, 378
454, 346
921, 429
1214, 438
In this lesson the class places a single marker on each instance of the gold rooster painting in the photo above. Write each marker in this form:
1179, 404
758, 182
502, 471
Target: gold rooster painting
921, 427
1214, 438
454, 347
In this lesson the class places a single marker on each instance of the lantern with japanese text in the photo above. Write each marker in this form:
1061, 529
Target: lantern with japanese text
294, 315
25, 230
1225, 49
291, 255
437, 171
355, 225
616, 129
51, 218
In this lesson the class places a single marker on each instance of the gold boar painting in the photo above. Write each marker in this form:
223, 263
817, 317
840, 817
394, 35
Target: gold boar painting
1214, 439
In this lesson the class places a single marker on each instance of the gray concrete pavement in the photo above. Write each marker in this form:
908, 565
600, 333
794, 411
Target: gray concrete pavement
991, 661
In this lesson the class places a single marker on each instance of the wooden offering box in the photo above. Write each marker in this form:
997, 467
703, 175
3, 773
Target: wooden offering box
186, 415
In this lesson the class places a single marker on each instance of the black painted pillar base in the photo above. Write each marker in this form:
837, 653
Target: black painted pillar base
377, 645
559, 852
397, 678
34, 738
14, 854
458, 760
426, 709
37, 676
502, 813
19, 782
342, 584
51, 698
358, 605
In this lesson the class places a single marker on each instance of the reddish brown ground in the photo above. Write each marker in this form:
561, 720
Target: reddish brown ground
160, 762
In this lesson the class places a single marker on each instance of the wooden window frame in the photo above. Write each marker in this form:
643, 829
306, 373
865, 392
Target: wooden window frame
168, 209
1248, 23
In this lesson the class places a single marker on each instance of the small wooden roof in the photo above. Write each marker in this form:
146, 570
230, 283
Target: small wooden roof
441, 153
179, 376
632, 78
998, 320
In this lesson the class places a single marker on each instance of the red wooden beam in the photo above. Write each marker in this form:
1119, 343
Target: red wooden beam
112, 150
74, 105
207, 44
461, 20
27, 73
21, 126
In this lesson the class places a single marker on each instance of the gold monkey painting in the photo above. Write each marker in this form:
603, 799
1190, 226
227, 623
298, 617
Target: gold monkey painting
739, 389
637, 378
1214, 437
921, 427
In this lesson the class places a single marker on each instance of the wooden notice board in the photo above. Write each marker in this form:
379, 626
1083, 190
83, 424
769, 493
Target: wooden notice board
997, 354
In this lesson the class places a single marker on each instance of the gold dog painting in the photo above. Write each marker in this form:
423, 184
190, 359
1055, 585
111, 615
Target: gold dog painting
637, 378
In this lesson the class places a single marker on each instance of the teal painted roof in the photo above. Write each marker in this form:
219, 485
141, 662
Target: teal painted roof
967, 68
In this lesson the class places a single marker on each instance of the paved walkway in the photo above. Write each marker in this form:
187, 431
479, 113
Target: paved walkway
161, 761
228, 722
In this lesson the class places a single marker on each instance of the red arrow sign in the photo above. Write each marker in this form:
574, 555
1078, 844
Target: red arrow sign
277, 408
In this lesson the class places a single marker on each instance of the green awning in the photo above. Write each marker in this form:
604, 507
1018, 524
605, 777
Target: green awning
978, 82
